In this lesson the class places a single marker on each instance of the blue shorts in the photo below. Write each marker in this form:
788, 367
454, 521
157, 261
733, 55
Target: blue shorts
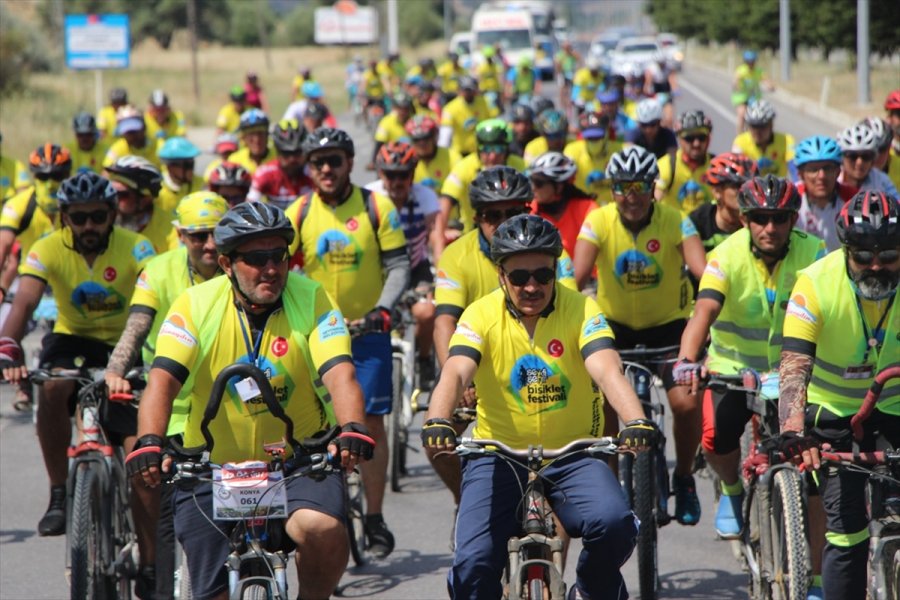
206, 547
372, 359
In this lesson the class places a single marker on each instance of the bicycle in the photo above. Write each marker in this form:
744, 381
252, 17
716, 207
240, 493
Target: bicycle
252, 493
102, 555
535, 564
645, 478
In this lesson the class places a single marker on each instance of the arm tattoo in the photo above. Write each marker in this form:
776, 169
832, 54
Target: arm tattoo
796, 369
126, 351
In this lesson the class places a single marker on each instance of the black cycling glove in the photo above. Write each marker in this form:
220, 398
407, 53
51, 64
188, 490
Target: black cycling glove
639, 433
355, 438
791, 444
438, 432
378, 320
147, 452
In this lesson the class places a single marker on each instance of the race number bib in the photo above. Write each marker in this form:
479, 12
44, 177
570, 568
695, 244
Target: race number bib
247, 490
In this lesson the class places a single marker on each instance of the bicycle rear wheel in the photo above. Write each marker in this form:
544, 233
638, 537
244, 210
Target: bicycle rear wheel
790, 551
537, 589
396, 432
645, 501
355, 519
86, 533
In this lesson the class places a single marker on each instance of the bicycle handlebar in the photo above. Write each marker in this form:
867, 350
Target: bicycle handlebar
643, 354
747, 380
871, 399
593, 446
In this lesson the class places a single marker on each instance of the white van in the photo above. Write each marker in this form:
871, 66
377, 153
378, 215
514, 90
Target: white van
512, 29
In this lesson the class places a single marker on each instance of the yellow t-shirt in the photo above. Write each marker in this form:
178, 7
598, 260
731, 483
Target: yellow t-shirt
390, 129
489, 77
341, 250
534, 391
372, 84
462, 118
457, 183
14, 177
640, 280
39, 225
432, 173
771, 161
588, 84
591, 173
243, 158
173, 127
450, 75
120, 148
106, 123
893, 170
687, 192
88, 160
204, 332
228, 119
159, 229
92, 301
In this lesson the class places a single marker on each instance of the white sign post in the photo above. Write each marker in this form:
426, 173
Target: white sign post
346, 23
97, 42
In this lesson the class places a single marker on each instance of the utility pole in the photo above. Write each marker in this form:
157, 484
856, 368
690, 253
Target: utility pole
448, 20
393, 30
785, 38
863, 89
192, 28
263, 33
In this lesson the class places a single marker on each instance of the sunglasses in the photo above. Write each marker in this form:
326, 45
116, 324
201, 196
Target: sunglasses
867, 257
494, 216
631, 187
334, 161
48, 177
690, 139
827, 169
198, 237
495, 148
98, 217
650, 124
520, 277
182, 164
855, 156
261, 258
397, 175
764, 218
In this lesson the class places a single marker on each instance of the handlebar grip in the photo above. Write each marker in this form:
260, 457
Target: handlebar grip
123, 398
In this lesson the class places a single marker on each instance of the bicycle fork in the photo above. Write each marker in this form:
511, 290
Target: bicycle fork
656, 412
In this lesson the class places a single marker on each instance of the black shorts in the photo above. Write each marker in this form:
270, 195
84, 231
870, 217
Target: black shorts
205, 546
668, 334
725, 416
421, 275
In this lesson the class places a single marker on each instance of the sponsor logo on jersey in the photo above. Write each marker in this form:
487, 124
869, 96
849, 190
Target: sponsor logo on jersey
442, 281
142, 282
337, 251
797, 308
331, 324
393, 220
635, 270
565, 269
538, 386
174, 327
34, 262
466, 331
91, 297
279, 346
142, 250
713, 268
555, 348
598, 323
109, 274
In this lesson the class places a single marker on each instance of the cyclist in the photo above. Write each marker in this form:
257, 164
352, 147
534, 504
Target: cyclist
715, 222
163, 122
553, 128
229, 117
392, 127
859, 145
640, 248
651, 134
556, 198
226, 144
177, 155
892, 106
347, 238
587, 82
680, 184
317, 115
433, 163
565, 63
425, 102
591, 154
258, 147
418, 207
747, 87
14, 176
492, 137
521, 81
842, 326
138, 183
255, 96
523, 131
372, 87
392, 70
106, 118
519, 344
133, 139
281, 180
740, 307
304, 74
490, 77
883, 138
88, 151
460, 116
450, 72
818, 162
773, 151
660, 84
286, 312
622, 127
231, 181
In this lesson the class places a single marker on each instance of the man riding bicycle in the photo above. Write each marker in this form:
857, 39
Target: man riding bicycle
461, 115
281, 180
818, 162
258, 149
540, 355
433, 162
772, 150
726, 174
680, 183
137, 183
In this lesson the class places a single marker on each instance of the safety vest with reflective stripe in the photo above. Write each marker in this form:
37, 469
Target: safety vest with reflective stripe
842, 343
747, 332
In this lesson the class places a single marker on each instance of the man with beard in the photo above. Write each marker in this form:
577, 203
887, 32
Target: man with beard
91, 266
138, 183
283, 179
842, 327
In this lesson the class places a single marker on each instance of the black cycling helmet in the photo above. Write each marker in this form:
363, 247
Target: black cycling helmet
870, 220
467, 82
249, 221
522, 112
137, 173
402, 100
325, 138
315, 110
693, 120
229, 174
84, 122
541, 103
288, 136
499, 184
118, 96
492, 131
86, 187
525, 233
768, 193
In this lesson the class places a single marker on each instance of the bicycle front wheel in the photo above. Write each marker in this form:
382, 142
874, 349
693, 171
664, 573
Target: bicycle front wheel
787, 524
122, 538
86, 532
356, 519
396, 432
645, 491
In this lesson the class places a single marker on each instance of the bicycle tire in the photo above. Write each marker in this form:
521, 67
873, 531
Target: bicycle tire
395, 430
894, 592
626, 477
537, 589
752, 511
645, 502
122, 537
85, 533
790, 551
183, 588
255, 592
356, 528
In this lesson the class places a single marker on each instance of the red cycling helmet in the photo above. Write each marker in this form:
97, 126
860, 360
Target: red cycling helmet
229, 174
893, 101
769, 193
396, 156
421, 127
730, 168
870, 220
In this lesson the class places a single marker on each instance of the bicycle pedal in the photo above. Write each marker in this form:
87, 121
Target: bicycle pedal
663, 519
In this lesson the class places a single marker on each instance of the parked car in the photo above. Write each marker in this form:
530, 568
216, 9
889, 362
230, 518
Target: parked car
670, 45
632, 54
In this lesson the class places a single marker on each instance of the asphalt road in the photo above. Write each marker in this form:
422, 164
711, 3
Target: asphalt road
692, 563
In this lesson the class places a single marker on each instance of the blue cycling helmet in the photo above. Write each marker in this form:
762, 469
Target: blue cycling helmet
312, 89
178, 148
817, 148
749, 56
253, 118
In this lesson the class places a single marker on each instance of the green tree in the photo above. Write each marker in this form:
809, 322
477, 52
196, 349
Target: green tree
420, 22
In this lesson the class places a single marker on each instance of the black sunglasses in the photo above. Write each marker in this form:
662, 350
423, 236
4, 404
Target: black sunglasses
690, 139
493, 216
184, 164
48, 176
854, 156
98, 217
260, 258
520, 277
764, 218
334, 161
198, 237
397, 175
867, 257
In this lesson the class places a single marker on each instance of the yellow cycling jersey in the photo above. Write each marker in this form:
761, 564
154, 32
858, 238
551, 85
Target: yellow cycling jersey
423, 110
434, 172
851, 338
92, 300
14, 177
685, 190
450, 74
588, 84
534, 390
489, 77
173, 127
243, 158
590, 159
390, 129
772, 160
640, 278
159, 228
120, 148
748, 84
372, 85
229, 119
22, 214
466, 273
893, 168
537, 147
341, 250
88, 160
106, 122
462, 118
461, 176
205, 331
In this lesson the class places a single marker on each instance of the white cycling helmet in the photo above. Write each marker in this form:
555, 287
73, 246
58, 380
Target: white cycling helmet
858, 138
760, 113
648, 110
882, 131
555, 166
592, 63
632, 164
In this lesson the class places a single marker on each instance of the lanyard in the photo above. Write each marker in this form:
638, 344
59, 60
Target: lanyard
253, 351
190, 272
871, 340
